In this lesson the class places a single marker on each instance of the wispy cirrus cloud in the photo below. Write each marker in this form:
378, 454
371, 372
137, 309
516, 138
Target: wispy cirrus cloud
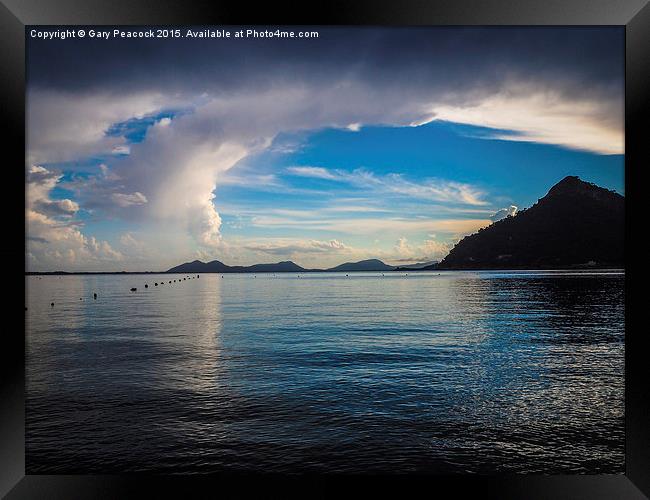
129, 199
394, 183
317, 173
298, 247
585, 122
373, 225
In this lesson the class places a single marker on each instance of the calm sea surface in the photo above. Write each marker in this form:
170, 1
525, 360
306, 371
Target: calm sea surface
480, 372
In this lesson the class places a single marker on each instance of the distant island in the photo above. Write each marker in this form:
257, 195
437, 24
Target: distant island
576, 225
216, 266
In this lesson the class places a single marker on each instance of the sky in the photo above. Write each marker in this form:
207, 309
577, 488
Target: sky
388, 143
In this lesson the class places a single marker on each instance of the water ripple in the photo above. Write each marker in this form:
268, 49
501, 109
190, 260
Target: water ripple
443, 373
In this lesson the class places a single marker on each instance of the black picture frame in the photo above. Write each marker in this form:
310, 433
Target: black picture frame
16, 14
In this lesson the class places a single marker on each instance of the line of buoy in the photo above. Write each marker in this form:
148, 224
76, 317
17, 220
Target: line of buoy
134, 289
146, 285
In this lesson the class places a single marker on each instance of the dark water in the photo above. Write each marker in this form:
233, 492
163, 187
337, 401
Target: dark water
458, 372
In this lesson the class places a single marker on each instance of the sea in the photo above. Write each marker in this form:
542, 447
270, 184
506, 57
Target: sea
398, 372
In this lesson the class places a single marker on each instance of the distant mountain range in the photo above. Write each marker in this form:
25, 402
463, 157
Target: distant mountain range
364, 265
576, 225
216, 266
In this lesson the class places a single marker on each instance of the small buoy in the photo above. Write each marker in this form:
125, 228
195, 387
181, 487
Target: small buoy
80, 298
184, 279
170, 281
95, 295
197, 276
156, 284
146, 286
52, 304
134, 289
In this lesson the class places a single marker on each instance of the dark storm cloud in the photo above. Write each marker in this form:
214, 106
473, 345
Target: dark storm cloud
461, 58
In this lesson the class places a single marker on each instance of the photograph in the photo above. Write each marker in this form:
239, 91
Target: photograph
330, 250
